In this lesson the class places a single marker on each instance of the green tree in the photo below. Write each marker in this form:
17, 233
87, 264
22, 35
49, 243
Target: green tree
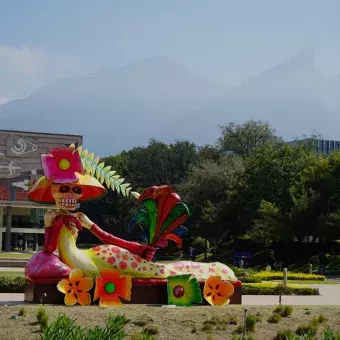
243, 138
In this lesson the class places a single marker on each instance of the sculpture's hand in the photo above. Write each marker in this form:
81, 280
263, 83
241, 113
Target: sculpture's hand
85, 221
146, 252
69, 219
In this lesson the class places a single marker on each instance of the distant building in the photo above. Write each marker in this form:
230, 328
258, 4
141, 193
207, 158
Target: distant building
22, 221
322, 146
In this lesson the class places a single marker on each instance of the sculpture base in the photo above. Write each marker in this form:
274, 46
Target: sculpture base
144, 291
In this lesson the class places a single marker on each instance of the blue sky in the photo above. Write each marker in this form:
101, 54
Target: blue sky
228, 41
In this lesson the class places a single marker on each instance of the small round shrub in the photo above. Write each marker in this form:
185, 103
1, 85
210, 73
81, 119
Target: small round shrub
275, 318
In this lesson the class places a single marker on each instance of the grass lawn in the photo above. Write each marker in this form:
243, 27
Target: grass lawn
15, 255
172, 323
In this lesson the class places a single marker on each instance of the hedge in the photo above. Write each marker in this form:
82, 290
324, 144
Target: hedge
277, 289
12, 284
269, 276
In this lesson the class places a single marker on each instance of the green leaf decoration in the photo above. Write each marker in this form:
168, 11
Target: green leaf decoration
183, 290
103, 173
177, 211
151, 207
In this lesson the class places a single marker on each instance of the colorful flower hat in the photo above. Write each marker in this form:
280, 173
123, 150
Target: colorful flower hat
63, 166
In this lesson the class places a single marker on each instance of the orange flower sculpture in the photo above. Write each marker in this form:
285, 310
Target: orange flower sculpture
112, 285
217, 292
76, 288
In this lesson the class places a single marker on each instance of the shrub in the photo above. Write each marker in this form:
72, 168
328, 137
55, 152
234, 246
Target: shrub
251, 322
328, 334
284, 311
320, 319
270, 276
142, 336
42, 318
307, 329
22, 311
274, 289
285, 335
275, 318
12, 284
152, 329
232, 320
66, 328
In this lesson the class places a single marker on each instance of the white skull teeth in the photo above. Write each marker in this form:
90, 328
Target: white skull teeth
69, 202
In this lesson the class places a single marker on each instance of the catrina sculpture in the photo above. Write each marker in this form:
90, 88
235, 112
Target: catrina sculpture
72, 177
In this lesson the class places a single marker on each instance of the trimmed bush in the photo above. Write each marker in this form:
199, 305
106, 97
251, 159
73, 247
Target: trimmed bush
275, 289
271, 276
12, 284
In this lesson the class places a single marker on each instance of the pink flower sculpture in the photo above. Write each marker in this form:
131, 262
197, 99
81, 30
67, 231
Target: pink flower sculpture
61, 165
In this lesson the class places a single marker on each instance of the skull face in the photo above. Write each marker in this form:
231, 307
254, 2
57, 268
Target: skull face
66, 196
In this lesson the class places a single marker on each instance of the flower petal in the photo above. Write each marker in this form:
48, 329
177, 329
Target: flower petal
112, 301
84, 299
226, 289
70, 299
123, 287
76, 275
63, 286
211, 283
215, 300
99, 290
85, 284
49, 165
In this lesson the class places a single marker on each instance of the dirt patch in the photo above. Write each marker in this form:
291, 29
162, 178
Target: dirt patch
173, 323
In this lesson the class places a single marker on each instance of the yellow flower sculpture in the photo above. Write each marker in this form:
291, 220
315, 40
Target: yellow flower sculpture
76, 288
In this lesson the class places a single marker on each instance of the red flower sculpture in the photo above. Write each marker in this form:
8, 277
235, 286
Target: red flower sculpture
61, 165
111, 285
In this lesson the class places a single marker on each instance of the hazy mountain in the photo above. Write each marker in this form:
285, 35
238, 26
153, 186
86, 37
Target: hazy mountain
113, 109
293, 96
121, 108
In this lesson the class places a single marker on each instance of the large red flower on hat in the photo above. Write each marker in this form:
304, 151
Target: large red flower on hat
61, 165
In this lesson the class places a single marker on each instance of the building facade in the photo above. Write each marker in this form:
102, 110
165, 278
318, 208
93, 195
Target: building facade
322, 146
21, 221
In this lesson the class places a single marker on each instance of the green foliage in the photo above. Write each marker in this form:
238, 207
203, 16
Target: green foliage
199, 244
274, 289
251, 322
272, 276
42, 318
12, 284
142, 336
242, 139
285, 335
284, 311
274, 318
22, 311
64, 328
103, 173
321, 319
307, 329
